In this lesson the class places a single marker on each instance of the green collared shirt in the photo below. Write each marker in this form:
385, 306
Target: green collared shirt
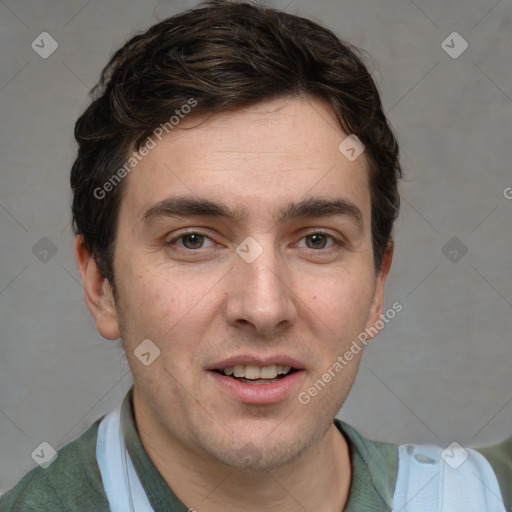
73, 481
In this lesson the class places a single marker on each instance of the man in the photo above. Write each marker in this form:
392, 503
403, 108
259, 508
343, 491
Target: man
234, 195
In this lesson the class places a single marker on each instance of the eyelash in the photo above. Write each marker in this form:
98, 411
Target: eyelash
336, 241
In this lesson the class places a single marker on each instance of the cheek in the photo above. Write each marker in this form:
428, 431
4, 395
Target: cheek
341, 302
145, 301
167, 309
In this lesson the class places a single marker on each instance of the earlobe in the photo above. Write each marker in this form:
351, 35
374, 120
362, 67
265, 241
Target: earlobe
98, 293
377, 307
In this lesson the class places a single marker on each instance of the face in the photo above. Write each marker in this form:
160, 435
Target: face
244, 245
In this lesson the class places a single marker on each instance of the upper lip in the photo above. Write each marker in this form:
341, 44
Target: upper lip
277, 359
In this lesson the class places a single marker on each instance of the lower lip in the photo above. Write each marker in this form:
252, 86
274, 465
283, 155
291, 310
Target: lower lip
259, 394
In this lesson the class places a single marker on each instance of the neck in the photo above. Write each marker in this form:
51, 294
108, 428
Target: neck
320, 475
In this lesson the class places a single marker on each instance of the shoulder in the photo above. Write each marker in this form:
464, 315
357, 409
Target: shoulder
382, 461
499, 457
72, 482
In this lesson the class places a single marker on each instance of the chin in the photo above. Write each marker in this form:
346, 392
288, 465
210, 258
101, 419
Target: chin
253, 458
264, 452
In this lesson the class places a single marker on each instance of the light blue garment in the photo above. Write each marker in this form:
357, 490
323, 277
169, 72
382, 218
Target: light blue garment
455, 479
429, 479
122, 485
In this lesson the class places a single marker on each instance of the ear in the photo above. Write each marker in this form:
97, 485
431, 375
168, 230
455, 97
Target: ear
98, 293
377, 307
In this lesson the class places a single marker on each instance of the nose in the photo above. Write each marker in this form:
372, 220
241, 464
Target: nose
260, 295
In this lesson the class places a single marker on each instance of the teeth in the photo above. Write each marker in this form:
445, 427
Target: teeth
268, 372
239, 370
253, 372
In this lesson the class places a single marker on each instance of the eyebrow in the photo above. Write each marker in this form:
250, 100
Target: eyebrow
321, 207
184, 206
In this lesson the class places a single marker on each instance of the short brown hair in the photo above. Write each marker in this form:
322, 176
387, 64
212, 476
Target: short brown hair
225, 55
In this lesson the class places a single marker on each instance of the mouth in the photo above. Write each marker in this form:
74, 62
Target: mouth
256, 375
258, 381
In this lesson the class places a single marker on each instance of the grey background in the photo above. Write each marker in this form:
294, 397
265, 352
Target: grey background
439, 372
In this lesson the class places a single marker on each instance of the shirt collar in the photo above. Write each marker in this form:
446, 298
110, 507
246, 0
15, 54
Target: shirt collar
374, 470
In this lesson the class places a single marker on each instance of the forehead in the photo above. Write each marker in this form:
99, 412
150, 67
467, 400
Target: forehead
274, 152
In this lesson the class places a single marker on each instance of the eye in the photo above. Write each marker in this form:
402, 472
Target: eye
191, 241
319, 240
